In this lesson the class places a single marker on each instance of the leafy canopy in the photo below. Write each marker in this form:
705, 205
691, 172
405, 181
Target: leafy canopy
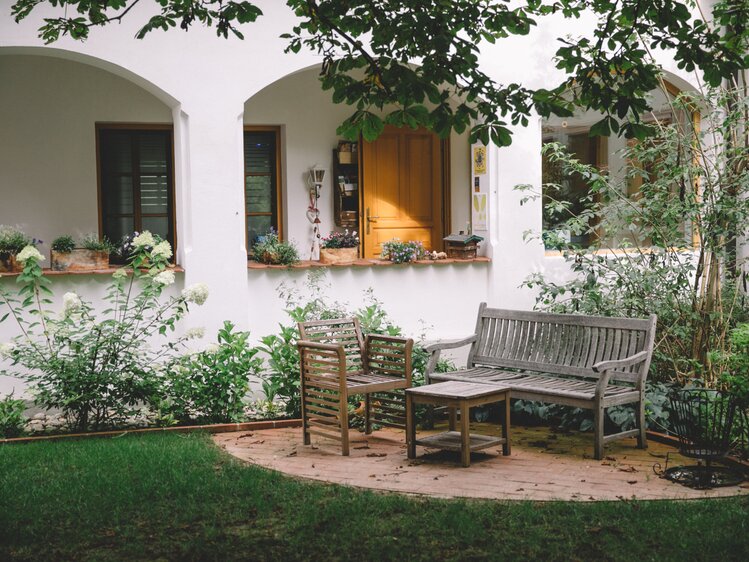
415, 63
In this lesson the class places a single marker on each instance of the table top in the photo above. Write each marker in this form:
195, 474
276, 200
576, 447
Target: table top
458, 389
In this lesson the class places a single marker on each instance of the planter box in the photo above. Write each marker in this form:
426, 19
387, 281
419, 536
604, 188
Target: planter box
79, 260
333, 256
8, 264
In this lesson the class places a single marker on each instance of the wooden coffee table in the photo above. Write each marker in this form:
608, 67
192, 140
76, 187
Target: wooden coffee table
457, 395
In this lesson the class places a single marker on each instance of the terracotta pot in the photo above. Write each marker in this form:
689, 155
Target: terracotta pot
79, 260
8, 264
339, 255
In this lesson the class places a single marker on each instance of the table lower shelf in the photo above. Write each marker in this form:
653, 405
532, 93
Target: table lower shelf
450, 440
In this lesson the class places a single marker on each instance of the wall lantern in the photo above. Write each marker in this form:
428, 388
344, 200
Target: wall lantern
315, 181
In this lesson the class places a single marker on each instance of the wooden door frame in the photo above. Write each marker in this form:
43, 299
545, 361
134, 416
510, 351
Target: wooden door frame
445, 192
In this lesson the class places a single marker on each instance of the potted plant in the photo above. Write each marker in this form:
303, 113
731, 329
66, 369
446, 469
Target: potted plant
91, 254
12, 241
403, 252
340, 248
269, 249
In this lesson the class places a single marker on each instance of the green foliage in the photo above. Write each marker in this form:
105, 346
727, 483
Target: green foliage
368, 49
271, 250
343, 239
669, 250
12, 240
403, 252
94, 243
12, 420
97, 366
735, 377
63, 244
210, 386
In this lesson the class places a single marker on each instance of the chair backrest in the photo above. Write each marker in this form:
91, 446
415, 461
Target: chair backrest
565, 344
338, 331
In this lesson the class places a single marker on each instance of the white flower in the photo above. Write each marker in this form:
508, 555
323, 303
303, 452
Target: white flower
6, 349
197, 293
70, 303
144, 239
162, 249
194, 333
165, 278
212, 348
29, 253
121, 273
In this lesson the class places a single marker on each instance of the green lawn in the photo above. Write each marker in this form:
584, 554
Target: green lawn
179, 497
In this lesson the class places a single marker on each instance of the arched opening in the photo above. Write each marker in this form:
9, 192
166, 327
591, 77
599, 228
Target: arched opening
88, 148
607, 154
290, 127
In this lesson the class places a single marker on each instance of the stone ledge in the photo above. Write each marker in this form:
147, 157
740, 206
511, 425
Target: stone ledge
108, 271
307, 264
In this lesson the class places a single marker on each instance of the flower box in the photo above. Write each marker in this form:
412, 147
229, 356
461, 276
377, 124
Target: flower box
338, 256
8, 264
79, 260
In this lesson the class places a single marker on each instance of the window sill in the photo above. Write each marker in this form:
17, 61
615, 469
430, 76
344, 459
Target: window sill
108, 271
366, 263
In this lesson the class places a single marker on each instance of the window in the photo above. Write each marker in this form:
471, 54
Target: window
262, 181
136, 181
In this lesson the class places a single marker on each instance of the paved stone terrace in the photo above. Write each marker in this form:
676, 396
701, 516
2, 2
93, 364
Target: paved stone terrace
544, 465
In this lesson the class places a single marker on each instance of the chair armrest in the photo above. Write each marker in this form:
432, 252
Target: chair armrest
322, 365
389, 355
603, 366
449, 344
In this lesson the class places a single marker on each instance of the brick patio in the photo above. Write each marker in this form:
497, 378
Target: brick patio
545, 465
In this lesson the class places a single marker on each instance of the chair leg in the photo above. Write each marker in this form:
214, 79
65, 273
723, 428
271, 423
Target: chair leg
305, 423
367, 414
642, 440
343, 417
598, 417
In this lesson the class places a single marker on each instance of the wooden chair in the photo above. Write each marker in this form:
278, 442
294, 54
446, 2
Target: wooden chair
337, 362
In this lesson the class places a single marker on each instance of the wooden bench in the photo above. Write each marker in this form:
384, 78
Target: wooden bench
588, 362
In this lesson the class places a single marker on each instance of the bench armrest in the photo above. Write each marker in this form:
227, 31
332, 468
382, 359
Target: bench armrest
449, 344
603, 366
318, 346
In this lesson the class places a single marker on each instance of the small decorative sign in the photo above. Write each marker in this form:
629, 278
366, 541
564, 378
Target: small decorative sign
479, 211
479, 160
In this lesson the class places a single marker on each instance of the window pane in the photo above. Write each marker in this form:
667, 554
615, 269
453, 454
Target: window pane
152, 153
118, 195
260, 152
116, 228
116, 152
157, 225
259, 194
257, 226
154, 194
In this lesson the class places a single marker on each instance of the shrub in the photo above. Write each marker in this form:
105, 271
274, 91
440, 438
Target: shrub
12, 240
209, 386
98, 367
403, 252
63, 244
94, 243
271, 250
12, 420
343, 239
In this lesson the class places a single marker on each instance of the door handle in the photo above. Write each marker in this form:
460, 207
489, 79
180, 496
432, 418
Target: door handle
370, 219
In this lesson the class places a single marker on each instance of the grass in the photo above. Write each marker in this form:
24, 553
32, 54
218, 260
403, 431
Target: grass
178, 497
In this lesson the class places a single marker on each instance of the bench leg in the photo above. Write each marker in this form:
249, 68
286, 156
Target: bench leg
343, 417
642, 441
305, 424
367, 414
465, 434
598, 418
410, 428
506, 448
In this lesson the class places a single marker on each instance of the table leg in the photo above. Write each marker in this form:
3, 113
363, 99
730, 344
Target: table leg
451, 418
506, 426
465, 435
410, 427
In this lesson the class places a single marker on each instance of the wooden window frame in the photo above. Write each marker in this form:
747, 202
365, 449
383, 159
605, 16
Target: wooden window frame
171, 214
276, 130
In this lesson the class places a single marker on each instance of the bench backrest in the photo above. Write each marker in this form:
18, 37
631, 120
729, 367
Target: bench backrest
565, 344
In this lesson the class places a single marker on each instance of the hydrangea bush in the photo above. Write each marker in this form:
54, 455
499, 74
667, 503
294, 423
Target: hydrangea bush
98, 366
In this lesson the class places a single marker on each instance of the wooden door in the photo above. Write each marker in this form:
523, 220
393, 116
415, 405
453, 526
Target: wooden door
402, 189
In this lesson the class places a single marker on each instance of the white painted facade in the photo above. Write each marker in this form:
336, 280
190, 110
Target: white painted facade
51, 97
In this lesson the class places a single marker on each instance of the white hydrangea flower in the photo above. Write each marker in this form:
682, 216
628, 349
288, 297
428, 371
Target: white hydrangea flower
70, 303
212, 348
197, 293
195, 333
121, 273
144, 239
29, 253
165, 278
162, 249
6, 349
